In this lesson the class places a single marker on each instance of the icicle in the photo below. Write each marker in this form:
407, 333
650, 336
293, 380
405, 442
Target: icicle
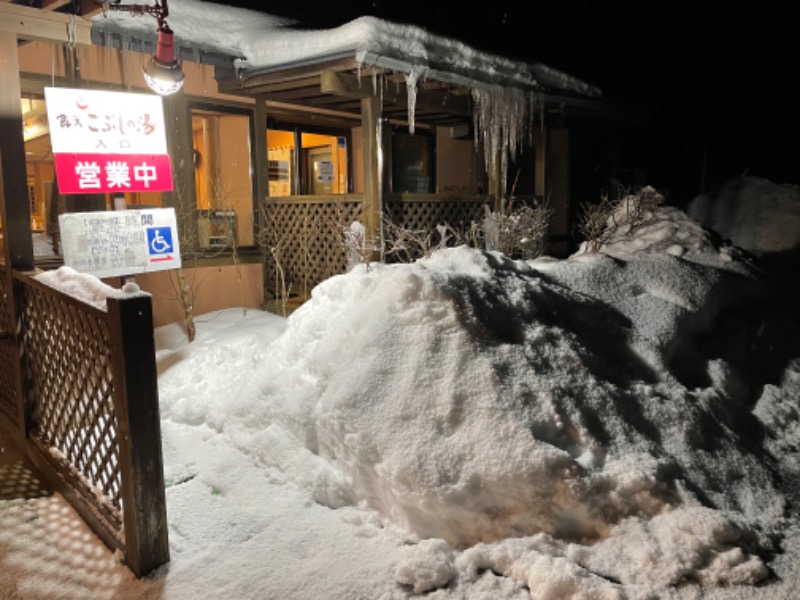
124, 56
375, 82
412, 79
501, 116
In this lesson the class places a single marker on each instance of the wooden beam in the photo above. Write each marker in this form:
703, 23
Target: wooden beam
283, 86
373, 180
262, 80
54, 4
14, 206
44, 25
89, 8
350, 86
260, 158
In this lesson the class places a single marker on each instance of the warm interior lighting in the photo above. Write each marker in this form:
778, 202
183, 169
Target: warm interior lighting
162, 73
34, 118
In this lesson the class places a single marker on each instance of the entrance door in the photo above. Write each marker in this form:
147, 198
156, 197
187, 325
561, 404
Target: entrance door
319, 166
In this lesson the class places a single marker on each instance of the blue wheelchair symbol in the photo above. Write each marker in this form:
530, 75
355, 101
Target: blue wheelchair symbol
159, 240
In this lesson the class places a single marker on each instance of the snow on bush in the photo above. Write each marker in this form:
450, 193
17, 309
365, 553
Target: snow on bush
640, 223
517, 231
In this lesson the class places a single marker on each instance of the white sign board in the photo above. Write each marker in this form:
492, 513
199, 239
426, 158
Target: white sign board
94, 121
325, 171
118, 243
108, 142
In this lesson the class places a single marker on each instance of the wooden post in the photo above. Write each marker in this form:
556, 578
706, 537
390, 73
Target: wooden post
541, 185
178, 122
260, 158
10, 338
139, 430
557, 169
373, 167
261, 184
16, 210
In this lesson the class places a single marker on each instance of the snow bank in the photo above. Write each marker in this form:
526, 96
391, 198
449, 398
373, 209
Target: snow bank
754, 213
607, 426
475, 400
85, 287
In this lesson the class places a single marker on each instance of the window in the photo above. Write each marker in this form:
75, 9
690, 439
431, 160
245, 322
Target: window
223, 177
412, 163
318, 168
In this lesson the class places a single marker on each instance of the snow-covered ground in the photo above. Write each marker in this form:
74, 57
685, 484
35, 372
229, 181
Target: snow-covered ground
614, 425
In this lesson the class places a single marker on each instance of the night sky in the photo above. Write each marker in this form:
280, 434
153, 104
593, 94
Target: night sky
703, 91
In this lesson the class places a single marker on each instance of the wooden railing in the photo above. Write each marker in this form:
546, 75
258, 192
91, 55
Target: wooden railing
89, 402
10, 402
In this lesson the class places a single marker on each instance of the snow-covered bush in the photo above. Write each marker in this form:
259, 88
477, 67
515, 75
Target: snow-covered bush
611, 220
517, 232
402, 244
357, 247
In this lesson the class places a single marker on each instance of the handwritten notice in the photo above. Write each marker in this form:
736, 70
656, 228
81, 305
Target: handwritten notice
118, 243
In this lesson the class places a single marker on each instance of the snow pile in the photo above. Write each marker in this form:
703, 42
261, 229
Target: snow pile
640, 223
85, 287
536, 419
754, 213
469, 426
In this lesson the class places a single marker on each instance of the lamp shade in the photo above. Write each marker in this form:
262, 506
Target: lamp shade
162, 72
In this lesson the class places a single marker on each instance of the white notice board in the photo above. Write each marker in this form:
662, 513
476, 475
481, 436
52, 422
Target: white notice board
123, 242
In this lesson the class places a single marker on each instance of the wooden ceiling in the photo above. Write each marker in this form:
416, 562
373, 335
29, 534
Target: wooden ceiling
337, 87
86, 8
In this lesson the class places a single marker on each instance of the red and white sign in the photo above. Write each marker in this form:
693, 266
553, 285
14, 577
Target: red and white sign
108, 142
88, 173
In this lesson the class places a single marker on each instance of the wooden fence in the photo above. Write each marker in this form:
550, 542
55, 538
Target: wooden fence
89, 409
10, 404
303, 234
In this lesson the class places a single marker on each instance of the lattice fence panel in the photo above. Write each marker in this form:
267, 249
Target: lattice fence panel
68, 367
426, 215
308, 238
9, 400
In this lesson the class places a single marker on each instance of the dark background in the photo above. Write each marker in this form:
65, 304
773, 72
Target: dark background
701, 92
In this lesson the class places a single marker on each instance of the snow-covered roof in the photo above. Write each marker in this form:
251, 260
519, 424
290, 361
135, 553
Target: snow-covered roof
257, 42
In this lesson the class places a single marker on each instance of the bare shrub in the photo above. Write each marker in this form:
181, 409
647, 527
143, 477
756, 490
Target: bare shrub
273, 244
613, 220
518, 232
185, 288
351, 235
403, 244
